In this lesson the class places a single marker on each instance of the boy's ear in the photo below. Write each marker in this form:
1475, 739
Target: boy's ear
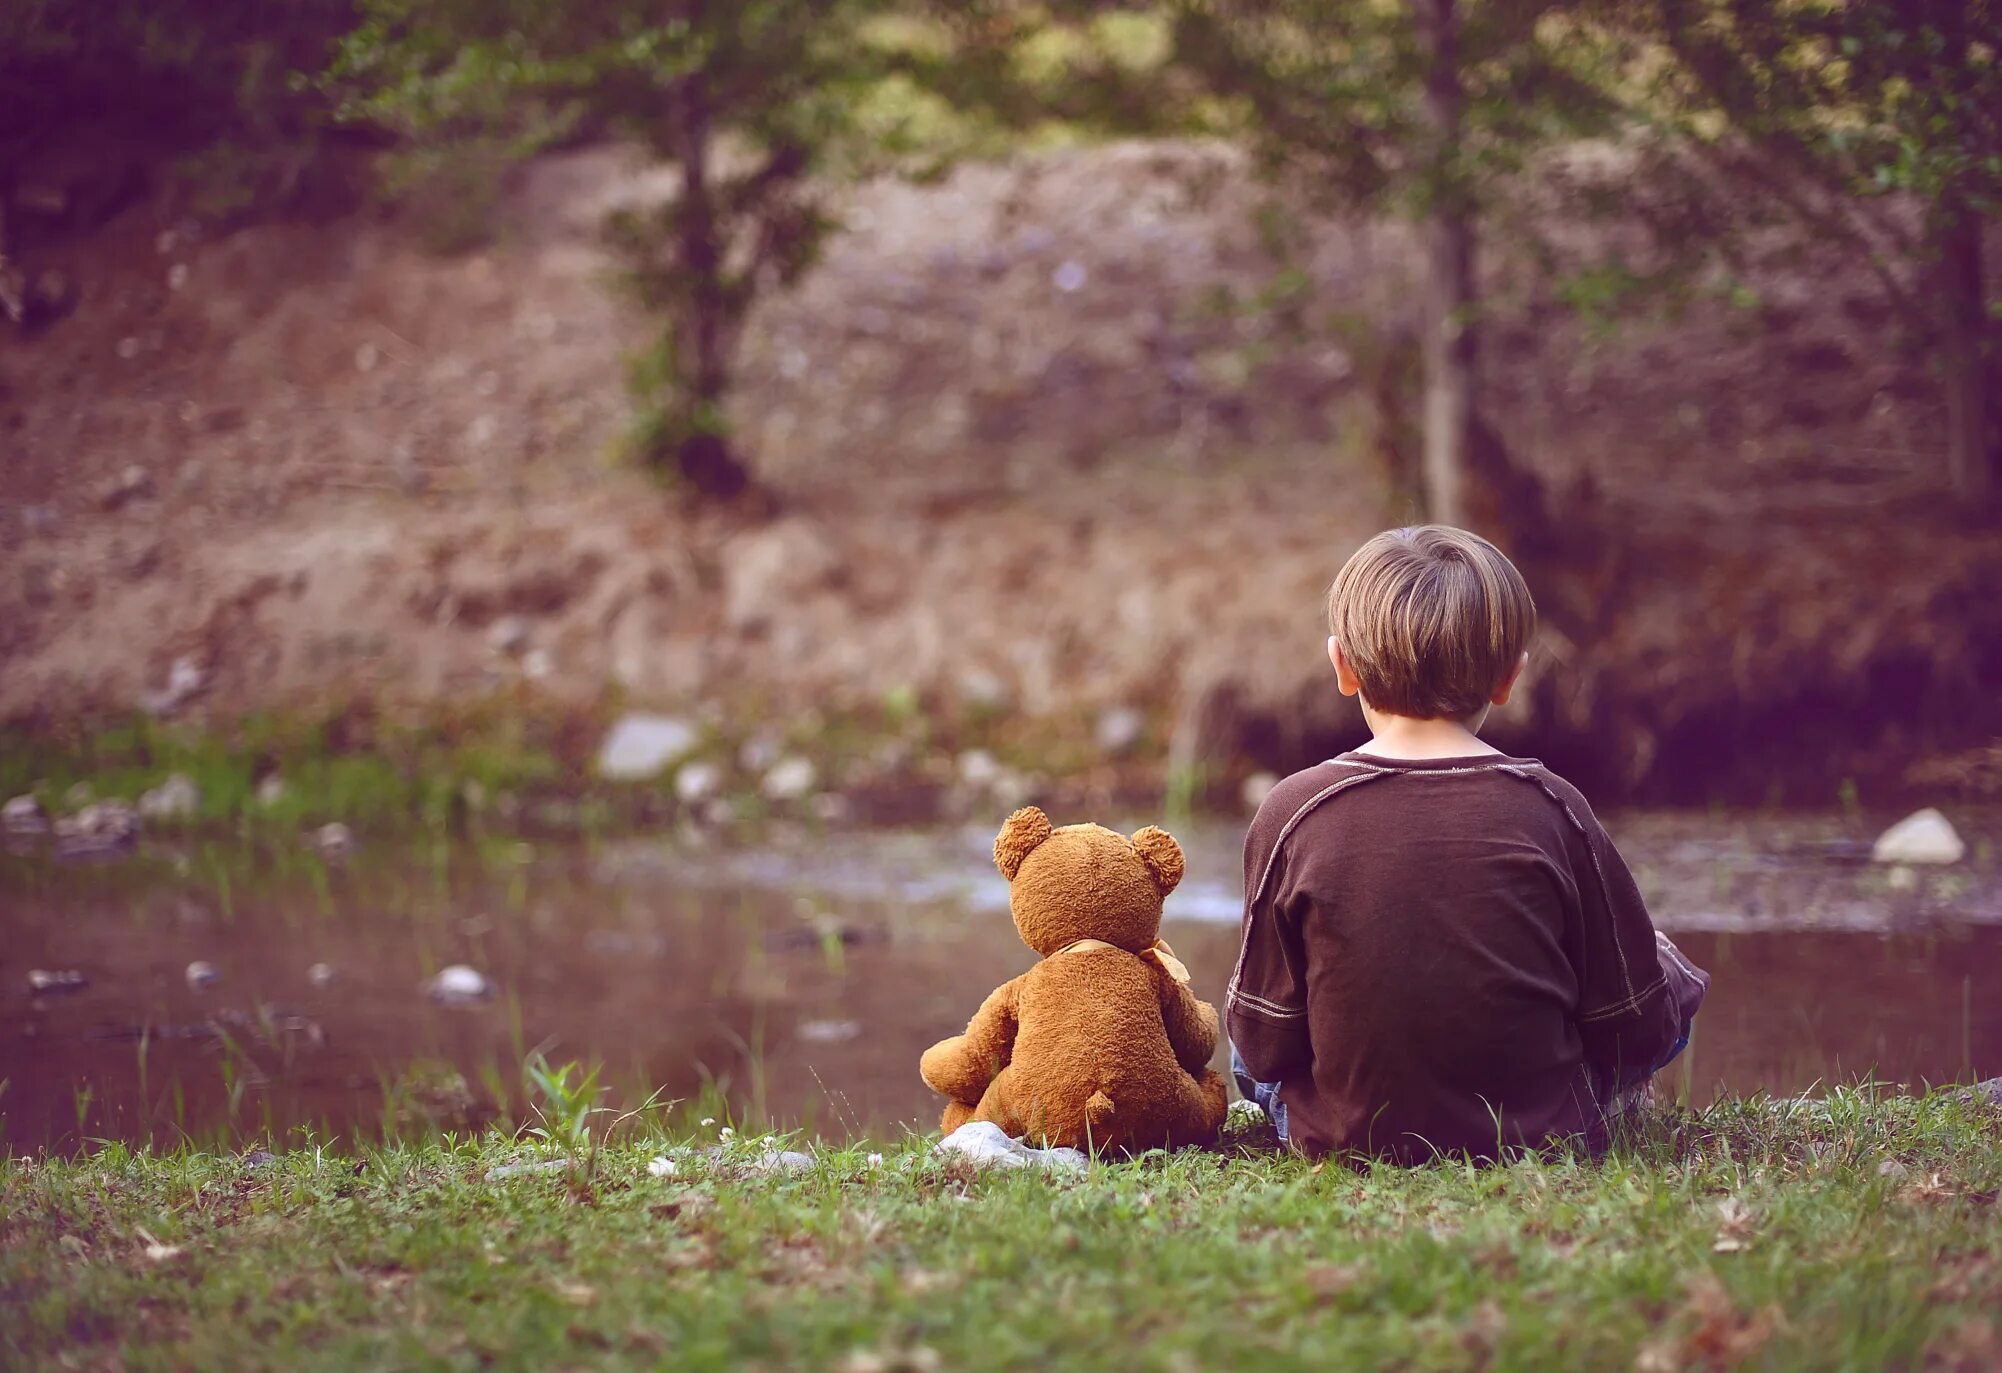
1020, 834
1162, 855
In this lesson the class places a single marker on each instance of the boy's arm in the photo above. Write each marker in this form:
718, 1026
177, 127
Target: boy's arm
1265, 1010
1636, 992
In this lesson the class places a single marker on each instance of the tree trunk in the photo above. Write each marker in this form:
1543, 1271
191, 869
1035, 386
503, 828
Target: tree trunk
1449, 287
703, 452
1971, 459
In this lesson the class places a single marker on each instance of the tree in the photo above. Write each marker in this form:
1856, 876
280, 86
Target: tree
1878, 125
745, 97
1425, 109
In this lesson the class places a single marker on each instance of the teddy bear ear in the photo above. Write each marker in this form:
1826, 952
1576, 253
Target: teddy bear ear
1025, 829
1162, 855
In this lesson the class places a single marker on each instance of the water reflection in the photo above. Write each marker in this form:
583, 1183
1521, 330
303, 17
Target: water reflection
799, 980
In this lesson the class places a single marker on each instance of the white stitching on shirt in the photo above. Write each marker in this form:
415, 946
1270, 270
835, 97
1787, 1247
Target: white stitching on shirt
1251, 901
1605, 891
1622, 1007
1270, 1008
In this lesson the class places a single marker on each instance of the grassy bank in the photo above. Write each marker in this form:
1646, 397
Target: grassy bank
1849, 1232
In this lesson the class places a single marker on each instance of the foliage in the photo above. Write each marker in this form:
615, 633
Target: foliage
1855, 1231
748, 101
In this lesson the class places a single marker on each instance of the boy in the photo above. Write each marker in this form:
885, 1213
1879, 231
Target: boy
1443, 952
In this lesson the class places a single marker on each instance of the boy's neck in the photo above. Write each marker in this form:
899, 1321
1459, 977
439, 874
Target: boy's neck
1401, 736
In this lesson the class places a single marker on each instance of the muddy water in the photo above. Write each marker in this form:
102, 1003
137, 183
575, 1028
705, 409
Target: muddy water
799, 980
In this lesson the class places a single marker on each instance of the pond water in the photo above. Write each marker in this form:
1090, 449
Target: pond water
796, 982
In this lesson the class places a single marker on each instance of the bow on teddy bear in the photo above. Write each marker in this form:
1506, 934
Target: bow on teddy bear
1101, 1045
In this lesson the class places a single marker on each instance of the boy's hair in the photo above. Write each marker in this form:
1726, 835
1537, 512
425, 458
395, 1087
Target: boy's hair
1431, 620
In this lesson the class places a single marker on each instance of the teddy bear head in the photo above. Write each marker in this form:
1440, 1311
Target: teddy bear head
1085, 881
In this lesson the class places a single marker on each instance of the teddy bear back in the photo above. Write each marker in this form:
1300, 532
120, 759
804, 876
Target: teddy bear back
1085, 881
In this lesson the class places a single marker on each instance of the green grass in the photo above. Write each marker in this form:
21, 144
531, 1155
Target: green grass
1851, 1232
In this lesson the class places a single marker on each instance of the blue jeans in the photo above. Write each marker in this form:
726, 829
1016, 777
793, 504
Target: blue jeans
1266, 1094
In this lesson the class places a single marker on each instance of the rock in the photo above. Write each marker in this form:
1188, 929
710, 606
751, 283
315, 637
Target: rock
696, 782
130, 484
1120, 728
1988, 1093
988, 1145
642, 746
259, 1158
459, 985
985, 691
271, 790
508, 635
177, 798
201, 974
323, 975
24, 815
185, 679
334, 840
790, 779
977, 768
44, 982
1924, 836
772, 1160
1256, 788
103, 827
767, 572
828, 1031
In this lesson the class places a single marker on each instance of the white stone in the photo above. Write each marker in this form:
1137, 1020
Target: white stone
1257, 787
1068, 277
984, 690
829, 1031
322, 975
696, 782
271, 790
987, 1144
641, 746
174, 799
24, 815
789, 780
202, 974
333, 839
457, 984
508, 635
1924, 836
536, 664
1120, 728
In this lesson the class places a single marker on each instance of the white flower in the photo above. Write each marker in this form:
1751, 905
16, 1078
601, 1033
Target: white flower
726, 1133
875, 1160
708, 1121
662, 1167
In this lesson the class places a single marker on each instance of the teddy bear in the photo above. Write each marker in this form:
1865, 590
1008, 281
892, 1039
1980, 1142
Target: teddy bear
1101, 1045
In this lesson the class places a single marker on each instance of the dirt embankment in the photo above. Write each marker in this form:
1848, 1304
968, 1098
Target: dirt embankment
1059, 435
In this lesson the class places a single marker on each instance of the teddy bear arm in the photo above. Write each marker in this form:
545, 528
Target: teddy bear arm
1191, 1025
961, 1067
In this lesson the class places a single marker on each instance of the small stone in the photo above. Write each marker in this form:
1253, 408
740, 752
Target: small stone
662, 1167
984, 691
201, 974
642, 746
177, 277
102, 827
790, 779
271, 790
1120, 728
696, 782
977, 768
334, 840
185, 679
323, 975
1924, 836
24, 815
1892, 1169
259, 1158
520, 1170
132, 482
57, 982
536, 664
177, 798
828, 1031
1069, 277
759, 752
459, 985
1256, 788
508, 635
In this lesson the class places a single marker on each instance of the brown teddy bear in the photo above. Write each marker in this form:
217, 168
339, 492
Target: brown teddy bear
1101, 1045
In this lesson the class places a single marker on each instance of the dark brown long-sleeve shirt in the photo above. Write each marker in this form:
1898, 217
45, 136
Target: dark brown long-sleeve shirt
1446, 956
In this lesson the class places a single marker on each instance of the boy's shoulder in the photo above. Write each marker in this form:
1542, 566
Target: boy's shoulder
1305, 790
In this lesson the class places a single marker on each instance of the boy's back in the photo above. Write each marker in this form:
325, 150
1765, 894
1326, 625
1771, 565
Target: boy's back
1446, 955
